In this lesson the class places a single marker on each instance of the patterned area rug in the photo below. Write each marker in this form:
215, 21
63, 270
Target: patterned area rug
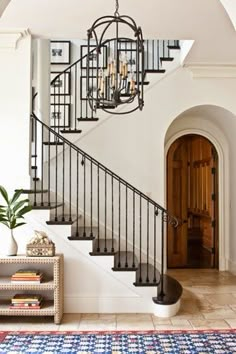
148, 342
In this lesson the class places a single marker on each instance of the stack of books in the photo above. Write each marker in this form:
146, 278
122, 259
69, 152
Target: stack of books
23, 276
26, 301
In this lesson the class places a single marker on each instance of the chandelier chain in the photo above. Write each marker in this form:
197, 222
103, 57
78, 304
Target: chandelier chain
117, 8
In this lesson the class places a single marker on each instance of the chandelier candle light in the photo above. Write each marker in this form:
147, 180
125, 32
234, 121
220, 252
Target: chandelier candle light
115, 64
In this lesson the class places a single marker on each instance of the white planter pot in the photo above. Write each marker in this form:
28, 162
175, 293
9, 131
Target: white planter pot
12, 247
8, 244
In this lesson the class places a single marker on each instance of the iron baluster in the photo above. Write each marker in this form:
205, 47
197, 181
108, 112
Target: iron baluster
105, 246
63, 97
86, 109
98, 211
42, 166
147, 275
161, 293
70, 176
77, 194
92, 111
91, 199
56, 180
59, 108
63, 182
126, 227
140, 238
84, 166
112, 215
133, 264
69, 89
35, 171
81, 90
155, 245
75, 111
55, 113
119, 235
153, 58
49, 169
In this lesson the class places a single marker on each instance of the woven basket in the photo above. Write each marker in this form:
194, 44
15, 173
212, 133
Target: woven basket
40, 250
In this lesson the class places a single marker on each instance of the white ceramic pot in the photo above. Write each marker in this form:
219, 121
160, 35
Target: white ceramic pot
12, 245
8, 243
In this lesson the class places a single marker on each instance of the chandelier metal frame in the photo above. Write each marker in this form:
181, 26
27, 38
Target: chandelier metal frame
118, 84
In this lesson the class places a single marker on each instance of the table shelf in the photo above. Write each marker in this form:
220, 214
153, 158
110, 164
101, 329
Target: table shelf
53, 284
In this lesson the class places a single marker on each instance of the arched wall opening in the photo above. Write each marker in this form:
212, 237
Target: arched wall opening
201, 120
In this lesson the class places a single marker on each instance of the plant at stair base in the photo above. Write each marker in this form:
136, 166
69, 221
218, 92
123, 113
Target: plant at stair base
10, 215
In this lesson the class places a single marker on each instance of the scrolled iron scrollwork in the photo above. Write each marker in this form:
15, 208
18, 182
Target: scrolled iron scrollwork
170, 219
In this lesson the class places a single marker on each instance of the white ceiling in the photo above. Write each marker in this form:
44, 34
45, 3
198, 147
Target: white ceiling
204, 21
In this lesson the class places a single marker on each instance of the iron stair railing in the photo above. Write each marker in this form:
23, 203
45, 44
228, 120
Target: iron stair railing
99, 205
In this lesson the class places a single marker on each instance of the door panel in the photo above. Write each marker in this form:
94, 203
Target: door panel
177, 203
192, 196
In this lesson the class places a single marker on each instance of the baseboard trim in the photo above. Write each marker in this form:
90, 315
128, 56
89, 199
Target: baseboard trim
76, 304
232, 267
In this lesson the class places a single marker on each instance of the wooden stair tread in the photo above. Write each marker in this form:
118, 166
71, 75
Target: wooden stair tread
125, 261
32, 191
103, 247
87, 119
46, 206
65, 219
172, 290
159, 71
53, 143
109, 106
80, 238
147, 275
71, 131
173, 46
166, 59
145, 83
83, 233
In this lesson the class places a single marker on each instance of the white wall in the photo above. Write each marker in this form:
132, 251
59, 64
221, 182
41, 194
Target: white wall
132, 146
136, 141
15, 93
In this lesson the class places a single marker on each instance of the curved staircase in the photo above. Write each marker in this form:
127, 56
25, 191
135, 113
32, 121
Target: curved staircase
100, 207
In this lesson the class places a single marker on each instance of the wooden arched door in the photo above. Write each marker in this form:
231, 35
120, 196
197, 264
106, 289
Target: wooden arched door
192, 195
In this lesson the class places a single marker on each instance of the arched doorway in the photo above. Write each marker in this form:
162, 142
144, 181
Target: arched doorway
192, 195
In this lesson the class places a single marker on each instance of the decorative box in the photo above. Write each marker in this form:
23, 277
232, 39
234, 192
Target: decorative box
40, 246
40, 250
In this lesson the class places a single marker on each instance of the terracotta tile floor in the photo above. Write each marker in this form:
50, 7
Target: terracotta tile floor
208, 301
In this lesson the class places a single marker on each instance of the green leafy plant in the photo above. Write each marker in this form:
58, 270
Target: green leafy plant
14, 210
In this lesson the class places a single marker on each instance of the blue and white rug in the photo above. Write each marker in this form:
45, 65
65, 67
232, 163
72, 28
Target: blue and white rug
145, 342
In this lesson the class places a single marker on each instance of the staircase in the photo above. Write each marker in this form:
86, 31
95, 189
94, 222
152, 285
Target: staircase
98, 205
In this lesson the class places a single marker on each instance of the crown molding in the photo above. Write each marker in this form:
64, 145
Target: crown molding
10, 37
212, 70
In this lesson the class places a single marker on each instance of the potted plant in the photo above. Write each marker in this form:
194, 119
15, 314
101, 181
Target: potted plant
11, 215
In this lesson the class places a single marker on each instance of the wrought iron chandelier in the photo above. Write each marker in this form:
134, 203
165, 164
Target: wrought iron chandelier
115, 64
